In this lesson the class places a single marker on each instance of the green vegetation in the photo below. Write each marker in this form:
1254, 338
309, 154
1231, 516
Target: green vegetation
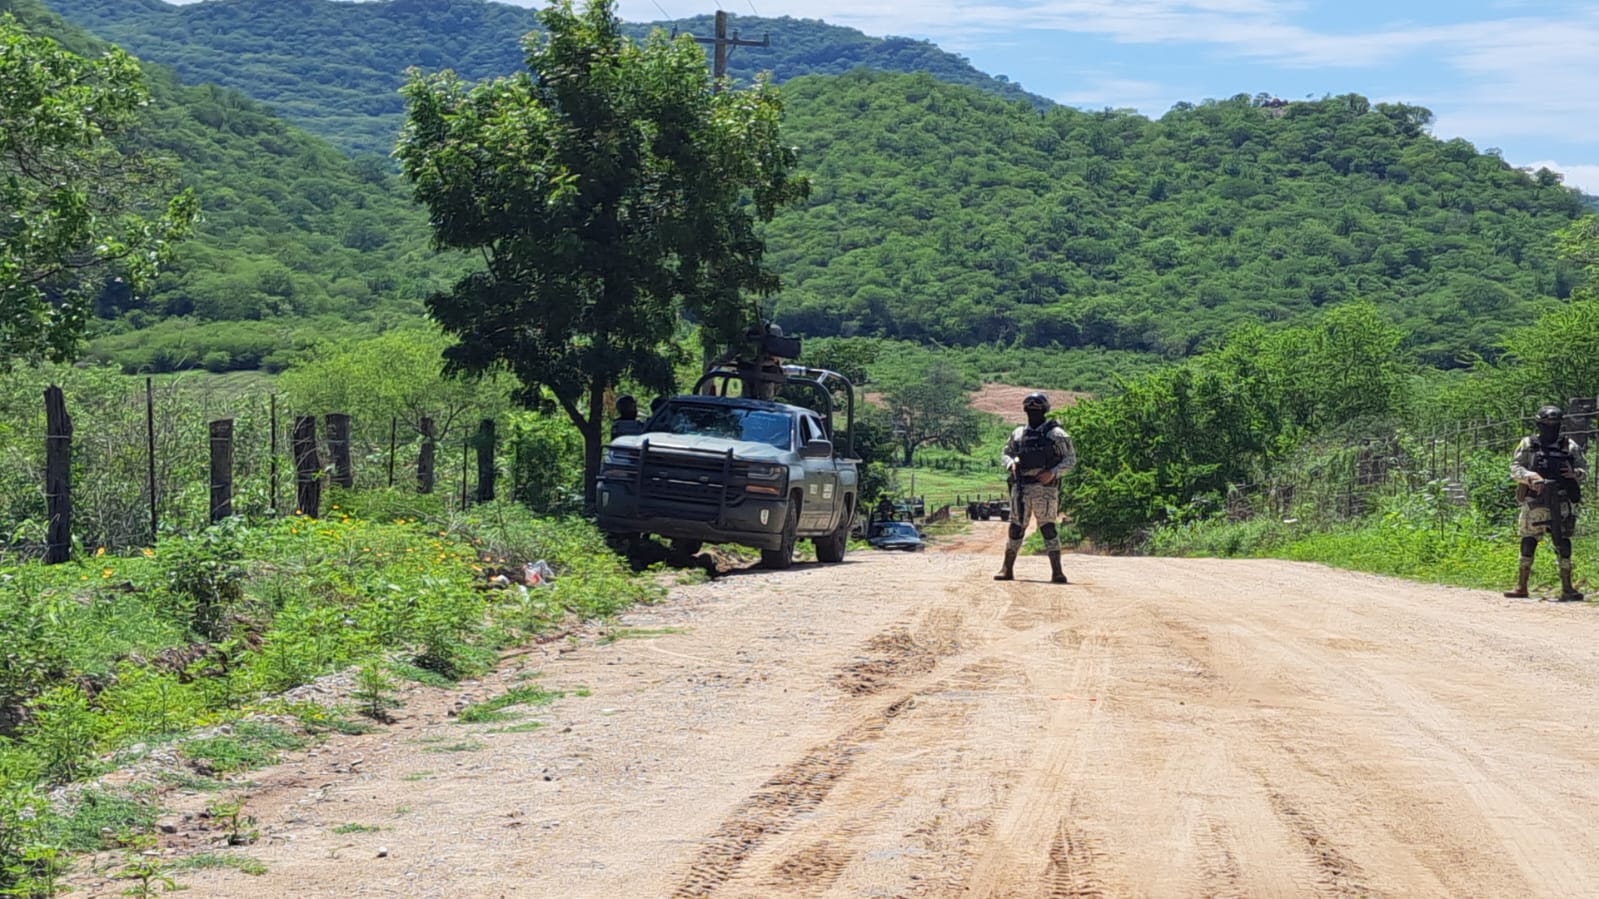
210, 860
115, 650
356, 828
83, 204
1052, 246
944, 214
638, 188
336, 69
492, 709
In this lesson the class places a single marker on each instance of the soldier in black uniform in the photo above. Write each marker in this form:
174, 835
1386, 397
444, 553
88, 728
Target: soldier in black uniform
1036, 455
1549, 469
626, 418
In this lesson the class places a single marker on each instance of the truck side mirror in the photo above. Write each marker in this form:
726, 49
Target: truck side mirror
817, 449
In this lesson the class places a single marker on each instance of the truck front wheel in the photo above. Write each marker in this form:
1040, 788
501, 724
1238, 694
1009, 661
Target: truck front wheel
783, 556
832, 547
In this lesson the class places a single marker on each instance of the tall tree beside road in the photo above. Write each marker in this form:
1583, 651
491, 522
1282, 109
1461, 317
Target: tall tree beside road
608, 189
932, 409
78, 201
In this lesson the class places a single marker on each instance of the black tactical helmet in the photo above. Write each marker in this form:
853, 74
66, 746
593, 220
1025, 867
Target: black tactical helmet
1035, 402
1550, 413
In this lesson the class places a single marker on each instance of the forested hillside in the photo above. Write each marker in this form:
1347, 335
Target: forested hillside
336, 67
297, 241
942, 213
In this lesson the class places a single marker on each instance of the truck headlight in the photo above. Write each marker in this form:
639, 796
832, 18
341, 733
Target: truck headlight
764, 477
618, 463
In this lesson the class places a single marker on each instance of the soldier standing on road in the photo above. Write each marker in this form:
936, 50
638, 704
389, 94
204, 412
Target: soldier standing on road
1550, 470
626, 418
1036, 455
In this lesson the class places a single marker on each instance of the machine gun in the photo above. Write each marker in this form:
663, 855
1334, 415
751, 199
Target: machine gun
1550, 462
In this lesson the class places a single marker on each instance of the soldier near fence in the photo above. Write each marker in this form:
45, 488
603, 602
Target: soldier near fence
1036, 455
1548, 469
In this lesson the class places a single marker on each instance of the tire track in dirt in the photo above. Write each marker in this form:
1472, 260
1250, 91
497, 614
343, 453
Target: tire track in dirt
1073, 859
782, 800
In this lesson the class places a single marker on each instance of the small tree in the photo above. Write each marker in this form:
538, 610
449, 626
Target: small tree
77, 203
933, 409
608, 189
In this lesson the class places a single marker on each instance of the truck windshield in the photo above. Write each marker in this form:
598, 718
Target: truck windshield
731, 422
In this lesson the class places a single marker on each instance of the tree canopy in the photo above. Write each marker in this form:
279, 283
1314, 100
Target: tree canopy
80, 203
608, 189
335, 68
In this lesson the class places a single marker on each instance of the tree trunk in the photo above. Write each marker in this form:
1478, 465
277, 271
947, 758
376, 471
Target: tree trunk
592, 430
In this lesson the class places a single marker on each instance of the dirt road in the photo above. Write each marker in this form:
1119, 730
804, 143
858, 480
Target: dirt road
901, 725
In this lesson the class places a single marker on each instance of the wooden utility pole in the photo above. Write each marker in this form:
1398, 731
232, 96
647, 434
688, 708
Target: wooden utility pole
723, 44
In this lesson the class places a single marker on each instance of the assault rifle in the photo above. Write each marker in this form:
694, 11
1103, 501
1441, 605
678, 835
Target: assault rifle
1550, 463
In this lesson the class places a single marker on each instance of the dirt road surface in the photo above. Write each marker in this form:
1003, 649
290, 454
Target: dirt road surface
901, 725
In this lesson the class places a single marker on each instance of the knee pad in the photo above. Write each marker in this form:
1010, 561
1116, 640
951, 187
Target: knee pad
1048, 531
1017, 531
1563, 548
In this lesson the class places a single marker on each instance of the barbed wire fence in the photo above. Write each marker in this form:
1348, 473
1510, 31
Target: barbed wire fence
1451, 467
141, 462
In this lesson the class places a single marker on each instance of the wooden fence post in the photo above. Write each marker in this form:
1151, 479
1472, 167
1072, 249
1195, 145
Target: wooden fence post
221, 469
425, 456
339, 449
57, 477
307, 467
394, 440
485, 460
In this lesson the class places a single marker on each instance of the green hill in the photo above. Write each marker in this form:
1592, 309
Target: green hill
941, 213
944, 214
335, 67
296, 241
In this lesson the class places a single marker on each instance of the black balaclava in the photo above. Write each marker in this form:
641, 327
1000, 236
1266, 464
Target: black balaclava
1035, 417
1549, 420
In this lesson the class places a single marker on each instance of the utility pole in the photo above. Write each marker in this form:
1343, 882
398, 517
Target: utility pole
723, 44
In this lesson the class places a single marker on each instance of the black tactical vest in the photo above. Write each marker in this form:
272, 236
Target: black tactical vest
1036, 448
1548, 461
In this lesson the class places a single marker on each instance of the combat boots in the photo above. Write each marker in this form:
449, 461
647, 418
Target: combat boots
1568, 593
1007, 570
1522, 572
1056, 575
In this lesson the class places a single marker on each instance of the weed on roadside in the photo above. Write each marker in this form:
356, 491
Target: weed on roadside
251, 745
356, 828
244, 864
490, 710
614, 634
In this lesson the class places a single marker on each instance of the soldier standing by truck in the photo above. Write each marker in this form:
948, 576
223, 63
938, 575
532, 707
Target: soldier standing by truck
1036, 455
1549, 470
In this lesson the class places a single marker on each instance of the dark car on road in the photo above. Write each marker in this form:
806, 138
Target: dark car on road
900, 535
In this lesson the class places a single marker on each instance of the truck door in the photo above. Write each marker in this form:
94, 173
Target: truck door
820, 511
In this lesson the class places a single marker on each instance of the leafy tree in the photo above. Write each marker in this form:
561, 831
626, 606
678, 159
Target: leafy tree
605, 190
80, 202
393, 375
932, 409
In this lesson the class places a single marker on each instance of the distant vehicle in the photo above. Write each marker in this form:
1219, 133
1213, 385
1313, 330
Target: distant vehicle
895, 535
983, 510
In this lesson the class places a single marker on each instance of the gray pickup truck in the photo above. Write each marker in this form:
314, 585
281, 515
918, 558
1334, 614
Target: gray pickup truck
731, 469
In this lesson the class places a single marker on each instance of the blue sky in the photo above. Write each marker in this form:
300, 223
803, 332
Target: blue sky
1515, 75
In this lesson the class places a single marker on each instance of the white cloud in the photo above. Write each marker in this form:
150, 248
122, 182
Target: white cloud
1583, 177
